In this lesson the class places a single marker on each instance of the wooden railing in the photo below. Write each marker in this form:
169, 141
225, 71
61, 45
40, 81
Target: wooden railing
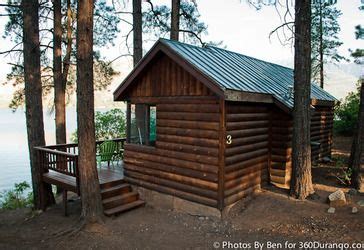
63, 158
59, 161
73, 147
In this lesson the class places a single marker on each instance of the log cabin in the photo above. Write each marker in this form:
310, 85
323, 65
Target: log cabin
211, 126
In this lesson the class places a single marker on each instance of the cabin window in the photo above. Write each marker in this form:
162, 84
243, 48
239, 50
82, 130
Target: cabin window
142, 124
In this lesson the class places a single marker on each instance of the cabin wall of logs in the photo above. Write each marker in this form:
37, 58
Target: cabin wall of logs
321, 132
185, 159
281, 141
281, 148
247, 149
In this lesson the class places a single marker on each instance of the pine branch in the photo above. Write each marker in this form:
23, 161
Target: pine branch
279, 27
46, 46
10, 51
195, 35
10, 5
125, 21
153, 10
118, 57
7, 15
16, 65
123, 12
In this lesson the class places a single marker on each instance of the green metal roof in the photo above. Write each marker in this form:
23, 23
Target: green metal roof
234, 71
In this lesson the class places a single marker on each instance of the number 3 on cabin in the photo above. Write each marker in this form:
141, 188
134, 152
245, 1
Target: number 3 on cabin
229, 139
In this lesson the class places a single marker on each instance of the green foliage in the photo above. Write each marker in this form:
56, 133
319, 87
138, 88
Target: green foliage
106, 29
346, 114
327, 12
345, 176
108, 125
358, 54
157, 21
16, 197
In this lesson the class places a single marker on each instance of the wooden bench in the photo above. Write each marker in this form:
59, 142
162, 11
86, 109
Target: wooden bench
64, 181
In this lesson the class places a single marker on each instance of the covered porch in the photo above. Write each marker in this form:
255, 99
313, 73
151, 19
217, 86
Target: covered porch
59, 164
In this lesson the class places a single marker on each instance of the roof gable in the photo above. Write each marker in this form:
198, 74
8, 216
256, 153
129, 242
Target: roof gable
158, 48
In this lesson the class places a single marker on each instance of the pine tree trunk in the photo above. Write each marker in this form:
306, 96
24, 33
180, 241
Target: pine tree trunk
137, 31
42, 192
59, 88
92, 211
67, 57
301, 185
175, 19
356, 161
321, 49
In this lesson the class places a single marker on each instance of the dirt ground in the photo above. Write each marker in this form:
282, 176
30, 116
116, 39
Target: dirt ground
269, 216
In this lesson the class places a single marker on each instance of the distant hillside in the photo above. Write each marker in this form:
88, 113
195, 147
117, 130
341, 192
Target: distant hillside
103, 99
341, 79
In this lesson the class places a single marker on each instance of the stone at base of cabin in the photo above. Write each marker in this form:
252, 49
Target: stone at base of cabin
361, 203
337, 198
168, 202
331, 210
354, 210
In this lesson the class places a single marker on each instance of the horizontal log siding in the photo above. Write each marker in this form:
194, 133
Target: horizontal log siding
164, 77
322, 131
246, 158
184, 162
281, 148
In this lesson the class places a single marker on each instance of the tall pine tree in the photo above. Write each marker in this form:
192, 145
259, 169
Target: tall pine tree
42, 192
324, 37
175, 16
92, 211
301, 183
356, 161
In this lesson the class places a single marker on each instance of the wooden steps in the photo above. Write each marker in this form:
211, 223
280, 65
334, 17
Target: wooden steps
124, 208
118, 196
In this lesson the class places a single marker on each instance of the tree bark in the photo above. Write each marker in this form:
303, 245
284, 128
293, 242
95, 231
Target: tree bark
321, 49
92, 211
59, 87
301, 185
42, 192
176, 4
67, 57
356, 161
137, 32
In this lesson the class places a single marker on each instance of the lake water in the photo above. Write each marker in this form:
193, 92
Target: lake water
14, 155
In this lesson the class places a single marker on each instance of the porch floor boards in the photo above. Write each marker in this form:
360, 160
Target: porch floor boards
110, 174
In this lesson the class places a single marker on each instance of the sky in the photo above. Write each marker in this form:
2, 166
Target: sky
242, 29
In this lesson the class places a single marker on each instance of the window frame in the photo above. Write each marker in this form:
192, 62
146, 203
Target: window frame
146, 137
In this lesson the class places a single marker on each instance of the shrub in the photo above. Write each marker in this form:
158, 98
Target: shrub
16, 197
108, 125
346, 114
